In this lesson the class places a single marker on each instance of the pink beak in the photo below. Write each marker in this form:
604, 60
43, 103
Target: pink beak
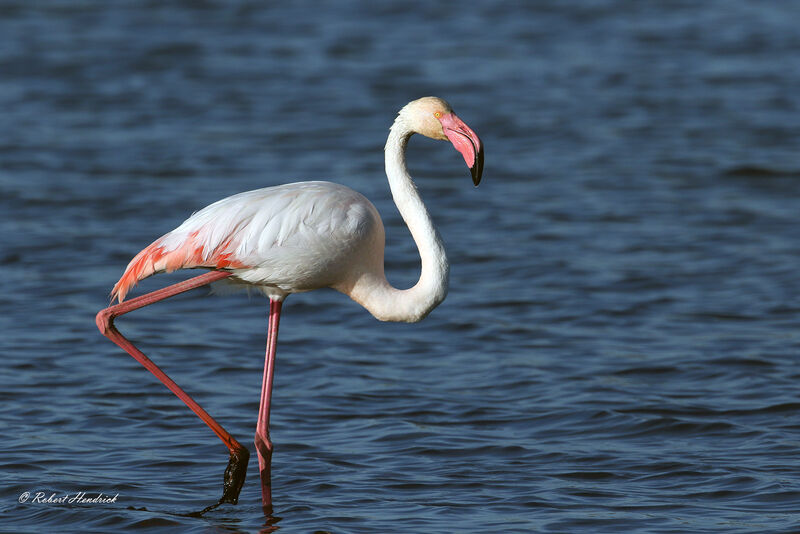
466, 141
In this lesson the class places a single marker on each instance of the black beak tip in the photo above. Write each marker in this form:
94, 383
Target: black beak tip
476, 178
477, 168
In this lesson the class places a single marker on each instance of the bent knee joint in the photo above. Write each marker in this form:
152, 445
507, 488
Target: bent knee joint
104, 320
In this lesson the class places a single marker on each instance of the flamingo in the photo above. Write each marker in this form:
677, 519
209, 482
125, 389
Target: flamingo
298, 237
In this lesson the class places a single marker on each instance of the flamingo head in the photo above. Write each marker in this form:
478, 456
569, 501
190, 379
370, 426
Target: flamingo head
434, 118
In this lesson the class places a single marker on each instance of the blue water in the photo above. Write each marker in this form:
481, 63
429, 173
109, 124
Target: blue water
619, 348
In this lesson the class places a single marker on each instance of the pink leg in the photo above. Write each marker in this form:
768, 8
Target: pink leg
263, 443
239, 455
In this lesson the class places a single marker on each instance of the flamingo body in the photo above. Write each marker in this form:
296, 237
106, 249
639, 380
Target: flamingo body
283, 239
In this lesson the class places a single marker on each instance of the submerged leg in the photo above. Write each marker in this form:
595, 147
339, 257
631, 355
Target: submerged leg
239, 455
263, 443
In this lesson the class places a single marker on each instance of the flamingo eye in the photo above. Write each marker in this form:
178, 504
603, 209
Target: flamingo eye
437, 114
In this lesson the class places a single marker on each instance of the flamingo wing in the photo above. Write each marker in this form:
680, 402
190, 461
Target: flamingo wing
292, 237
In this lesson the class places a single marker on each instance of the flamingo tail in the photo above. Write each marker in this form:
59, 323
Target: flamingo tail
155, 259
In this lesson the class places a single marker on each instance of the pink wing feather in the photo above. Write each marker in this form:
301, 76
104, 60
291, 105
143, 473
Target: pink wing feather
154, 259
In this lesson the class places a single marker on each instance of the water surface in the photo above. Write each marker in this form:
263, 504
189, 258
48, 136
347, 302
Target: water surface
618, 351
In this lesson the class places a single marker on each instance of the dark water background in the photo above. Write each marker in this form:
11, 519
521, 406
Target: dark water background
618, 352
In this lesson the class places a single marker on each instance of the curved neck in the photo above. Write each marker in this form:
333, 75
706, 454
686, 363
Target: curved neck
409, 305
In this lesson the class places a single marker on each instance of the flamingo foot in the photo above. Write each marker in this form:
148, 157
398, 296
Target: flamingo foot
232, 482
234, 476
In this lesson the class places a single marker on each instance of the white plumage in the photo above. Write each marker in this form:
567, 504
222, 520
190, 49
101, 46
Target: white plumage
291, 238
